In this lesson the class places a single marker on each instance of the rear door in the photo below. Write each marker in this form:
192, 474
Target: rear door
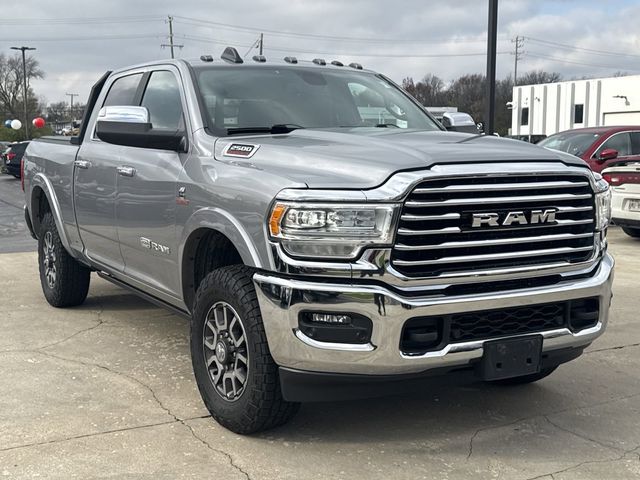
148, 191
95, 182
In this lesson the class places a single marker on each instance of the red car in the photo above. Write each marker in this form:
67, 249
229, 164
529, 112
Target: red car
598, 146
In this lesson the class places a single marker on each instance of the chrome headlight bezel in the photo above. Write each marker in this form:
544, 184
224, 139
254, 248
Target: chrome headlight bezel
602, 202
328, 231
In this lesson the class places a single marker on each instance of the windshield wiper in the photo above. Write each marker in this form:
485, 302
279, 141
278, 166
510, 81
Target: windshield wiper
273, 129
386, 125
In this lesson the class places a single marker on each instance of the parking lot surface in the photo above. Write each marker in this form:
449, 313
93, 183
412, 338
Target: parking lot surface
14, 236
106, 390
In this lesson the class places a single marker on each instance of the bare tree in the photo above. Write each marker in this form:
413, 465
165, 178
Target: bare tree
11, 95
430, 91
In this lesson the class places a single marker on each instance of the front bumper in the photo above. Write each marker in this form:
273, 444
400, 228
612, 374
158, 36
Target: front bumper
281, 301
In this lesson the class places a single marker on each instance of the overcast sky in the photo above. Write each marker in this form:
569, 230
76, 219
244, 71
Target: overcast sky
76, 44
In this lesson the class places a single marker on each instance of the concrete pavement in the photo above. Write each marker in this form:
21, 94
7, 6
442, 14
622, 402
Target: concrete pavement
14, 235
106, 391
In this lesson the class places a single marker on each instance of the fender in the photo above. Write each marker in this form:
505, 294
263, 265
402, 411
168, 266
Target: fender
225, 223
40, 180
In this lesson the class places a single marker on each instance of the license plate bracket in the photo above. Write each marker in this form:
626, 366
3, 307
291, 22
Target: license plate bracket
512, 357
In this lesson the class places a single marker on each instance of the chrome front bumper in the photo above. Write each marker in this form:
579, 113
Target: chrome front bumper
281, 300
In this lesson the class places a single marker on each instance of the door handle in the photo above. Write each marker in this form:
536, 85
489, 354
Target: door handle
126, 171
82, 164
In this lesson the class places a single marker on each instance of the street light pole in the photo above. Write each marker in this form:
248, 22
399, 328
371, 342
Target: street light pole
490, 97
24, 88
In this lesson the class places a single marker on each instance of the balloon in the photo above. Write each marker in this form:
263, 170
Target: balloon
38, 122
16, 124
7, 123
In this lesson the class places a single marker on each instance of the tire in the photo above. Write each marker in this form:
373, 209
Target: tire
524, 379
257, 404
17, 176
65, 282
632, 231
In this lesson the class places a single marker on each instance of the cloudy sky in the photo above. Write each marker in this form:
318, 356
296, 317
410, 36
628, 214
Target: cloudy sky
400, 38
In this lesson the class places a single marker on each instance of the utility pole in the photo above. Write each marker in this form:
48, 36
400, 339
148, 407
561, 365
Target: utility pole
24, 88
171, 45
71, 106
490, 98
261, 42
519, 43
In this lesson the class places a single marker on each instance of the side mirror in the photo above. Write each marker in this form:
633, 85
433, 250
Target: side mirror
130, 126
459, 122
607, 154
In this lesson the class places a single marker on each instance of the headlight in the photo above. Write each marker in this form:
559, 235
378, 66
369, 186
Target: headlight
603, 202
337, 231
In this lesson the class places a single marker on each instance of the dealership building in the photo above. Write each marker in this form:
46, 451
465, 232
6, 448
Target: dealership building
549, 108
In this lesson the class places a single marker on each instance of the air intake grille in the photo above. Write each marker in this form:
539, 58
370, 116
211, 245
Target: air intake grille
515, 224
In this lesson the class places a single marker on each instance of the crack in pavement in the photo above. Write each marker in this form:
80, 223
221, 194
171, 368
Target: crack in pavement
579, 435
544, 415
174, 417
586, 462
84, 330
619, 347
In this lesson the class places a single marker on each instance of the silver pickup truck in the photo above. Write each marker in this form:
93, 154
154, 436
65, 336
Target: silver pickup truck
326, 237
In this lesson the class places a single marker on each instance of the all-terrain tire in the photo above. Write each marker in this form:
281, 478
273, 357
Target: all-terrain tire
65, 282
259, 405
632, 231
524, 379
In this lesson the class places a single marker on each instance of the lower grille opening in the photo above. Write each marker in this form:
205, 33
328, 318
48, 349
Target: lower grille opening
424, 334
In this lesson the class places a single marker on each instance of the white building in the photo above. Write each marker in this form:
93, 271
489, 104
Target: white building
549, 108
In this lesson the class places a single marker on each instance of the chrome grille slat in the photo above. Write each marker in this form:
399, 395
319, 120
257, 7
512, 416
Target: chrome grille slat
491, 256
435, 236
501, 241
483, 200
502, 186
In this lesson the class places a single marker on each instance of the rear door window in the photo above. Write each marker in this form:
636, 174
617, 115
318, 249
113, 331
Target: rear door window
635, 143
123, 91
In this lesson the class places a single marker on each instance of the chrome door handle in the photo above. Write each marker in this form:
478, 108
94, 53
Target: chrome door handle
126, 171
82, 164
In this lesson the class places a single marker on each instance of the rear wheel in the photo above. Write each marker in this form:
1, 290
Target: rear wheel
632, 231
234, 370
524, 379
65, 282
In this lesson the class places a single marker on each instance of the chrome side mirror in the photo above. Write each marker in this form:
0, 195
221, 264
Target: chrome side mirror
123, 114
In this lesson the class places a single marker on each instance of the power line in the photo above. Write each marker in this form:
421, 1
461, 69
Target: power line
562, 60
79, 20
581, 49
327, 52
65, 39
211, 24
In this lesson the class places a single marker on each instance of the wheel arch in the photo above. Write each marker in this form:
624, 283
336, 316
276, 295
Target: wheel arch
43, 200
212, 238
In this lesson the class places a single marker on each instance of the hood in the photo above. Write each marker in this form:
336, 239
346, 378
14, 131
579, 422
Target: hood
363, 158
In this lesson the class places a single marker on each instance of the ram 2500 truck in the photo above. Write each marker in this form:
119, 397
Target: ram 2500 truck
322, 232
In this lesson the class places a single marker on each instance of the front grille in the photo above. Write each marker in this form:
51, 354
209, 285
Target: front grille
487, 324
435, 234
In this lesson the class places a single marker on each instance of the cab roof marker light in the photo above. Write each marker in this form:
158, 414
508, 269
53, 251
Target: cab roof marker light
337, 63
355, 65
319, 61
259, 58
206, 58
291, 59
231, 55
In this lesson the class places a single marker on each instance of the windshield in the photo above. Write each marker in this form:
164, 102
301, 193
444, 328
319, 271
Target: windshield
574, 143
304, 97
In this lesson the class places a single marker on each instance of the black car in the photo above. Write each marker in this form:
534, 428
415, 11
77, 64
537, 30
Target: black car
12, 157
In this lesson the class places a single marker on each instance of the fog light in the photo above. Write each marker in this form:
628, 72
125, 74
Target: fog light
330, 318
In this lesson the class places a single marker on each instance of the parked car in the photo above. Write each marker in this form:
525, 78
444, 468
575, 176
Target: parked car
598, 146
318, 253
624, 179
12, 158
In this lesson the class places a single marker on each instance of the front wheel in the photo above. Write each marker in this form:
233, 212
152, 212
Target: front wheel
234, 370
65, 282
632, 231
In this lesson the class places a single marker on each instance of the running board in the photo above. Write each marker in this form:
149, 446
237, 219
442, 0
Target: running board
146, 296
